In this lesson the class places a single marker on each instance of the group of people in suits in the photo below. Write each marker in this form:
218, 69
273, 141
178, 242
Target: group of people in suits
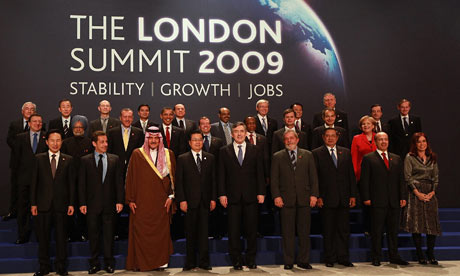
209, 169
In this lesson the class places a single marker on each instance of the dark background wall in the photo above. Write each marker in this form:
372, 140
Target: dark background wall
388, 50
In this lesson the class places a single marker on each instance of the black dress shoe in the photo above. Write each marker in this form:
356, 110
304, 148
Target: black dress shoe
252, 266
94, 269
237, 266
398, 262
422, 261
433, 261
329, 264
8, 216
288, 266
41, 273
188, 268
205, 267
346, 263
304, 265
83, 238
109, 269
21, 241
259, 235
376, 263
62, 272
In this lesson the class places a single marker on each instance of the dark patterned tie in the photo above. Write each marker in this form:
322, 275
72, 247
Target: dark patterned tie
53, 165
334, 159
206, 143
181, 124
198, 162
293, 159
100, 167
66, 128
240, 155
251, 139
406, 125
35, 143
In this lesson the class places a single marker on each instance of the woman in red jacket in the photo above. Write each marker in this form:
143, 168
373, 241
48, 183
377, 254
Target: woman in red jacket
363, 143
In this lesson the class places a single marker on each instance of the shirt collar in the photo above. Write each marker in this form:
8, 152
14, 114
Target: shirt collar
380, 153
57, 154
334, 147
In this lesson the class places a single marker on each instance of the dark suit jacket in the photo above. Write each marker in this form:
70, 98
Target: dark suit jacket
317, 137
149, 124
385, 127
241, 184
214, 147
57, 193
336, 185
116, 146
96, 125
217, 130
97, 196
399, 139
178, 140
14, 129
341, 119
271, 128
262, 146
24, 157
278, 141
305, 127
189, 126
294, 186
385, 188
193, 186
57, 124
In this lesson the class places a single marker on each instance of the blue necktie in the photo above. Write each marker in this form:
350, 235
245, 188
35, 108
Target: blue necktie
264, 126
206, 143
334, 159
240, 155
35, 143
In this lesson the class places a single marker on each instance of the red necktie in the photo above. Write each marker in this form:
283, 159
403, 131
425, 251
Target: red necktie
251, 139
386, 160
168, 137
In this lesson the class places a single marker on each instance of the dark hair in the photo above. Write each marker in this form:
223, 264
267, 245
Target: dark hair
323, 113
196, 131
142, 105
203, 118
166, 108
376, 105
337, 132
35, 115
51, 131
64, 100
96, 134
223, 108
126, 109
237, 124
299, 104
413, 146
287, 111
247, 118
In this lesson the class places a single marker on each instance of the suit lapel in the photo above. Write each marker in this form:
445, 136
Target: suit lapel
329, 156
60, 165
287, 156
232, 153
377, 155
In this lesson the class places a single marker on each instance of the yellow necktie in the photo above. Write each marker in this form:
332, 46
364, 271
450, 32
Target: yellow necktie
125, 138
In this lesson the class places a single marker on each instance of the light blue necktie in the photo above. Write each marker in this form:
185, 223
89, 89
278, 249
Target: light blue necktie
35, 143
240, 155
264, 126
334, 159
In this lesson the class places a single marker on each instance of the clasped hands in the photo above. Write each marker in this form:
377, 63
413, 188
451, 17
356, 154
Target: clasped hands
422, 196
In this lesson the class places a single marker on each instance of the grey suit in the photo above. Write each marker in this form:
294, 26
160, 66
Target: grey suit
295, 186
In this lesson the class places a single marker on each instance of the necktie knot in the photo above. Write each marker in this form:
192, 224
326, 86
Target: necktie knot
35, 135
53, 156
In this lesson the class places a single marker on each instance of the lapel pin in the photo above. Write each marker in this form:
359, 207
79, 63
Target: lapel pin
300, 156
204, 158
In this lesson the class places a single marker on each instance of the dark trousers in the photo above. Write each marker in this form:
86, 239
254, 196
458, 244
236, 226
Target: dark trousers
336, 233
23, 219
293, 218
13, 193
217, 223
196, 234
44, 222
96, 223
382, 218
246, 213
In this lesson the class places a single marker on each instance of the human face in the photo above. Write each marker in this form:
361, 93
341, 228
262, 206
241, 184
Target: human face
167, 116
376, 113
329, 117
205, 126
298, 110
250, 124
101, 144
196, 142
404, 108
28, 110
367, 126
126, 118
239, 134
143, 113
104, 108
381, 140
330, 138
154, 142
421, 144
179, 110
65, 108
289, 119
78, 129
35, 123
329, 101
54, 142
262, 109
290, 141
224, 115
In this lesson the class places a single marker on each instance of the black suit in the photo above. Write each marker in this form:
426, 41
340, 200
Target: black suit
385, 127
317, 137
278, 140
271, 128
57, 124
189, 126
305, 127
336, 186
149, 124
116, 145
217, 130
341, 119
100, 199
97, 125
400, 138
22, 163
384, 188
214, 146
197, 188
52, 196
241, 184
177, 141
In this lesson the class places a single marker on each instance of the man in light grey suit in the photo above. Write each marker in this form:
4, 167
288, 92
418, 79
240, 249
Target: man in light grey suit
223, 128
294, 186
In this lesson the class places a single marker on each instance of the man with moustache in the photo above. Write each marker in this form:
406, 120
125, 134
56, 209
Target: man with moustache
104, 122
223, 128
383, 189
241, 187
329, 118
196, 193
63, 122
294, 187
265, 125
143, 111
289, 124
101, 194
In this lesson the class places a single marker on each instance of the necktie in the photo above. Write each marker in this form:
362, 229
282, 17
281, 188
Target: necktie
334, 159
181, 124
143, 126
168, 137
386, 160
251, 139
206, 143
264, 126
293, 159
100, 167
297, 128
125, 138
228, 136
104, 125
66, 128
406, 125
198, 162
53, 165
26, 127
35, 143
240, 155
378, 129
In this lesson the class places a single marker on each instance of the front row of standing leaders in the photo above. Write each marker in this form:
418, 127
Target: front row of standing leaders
156, 185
